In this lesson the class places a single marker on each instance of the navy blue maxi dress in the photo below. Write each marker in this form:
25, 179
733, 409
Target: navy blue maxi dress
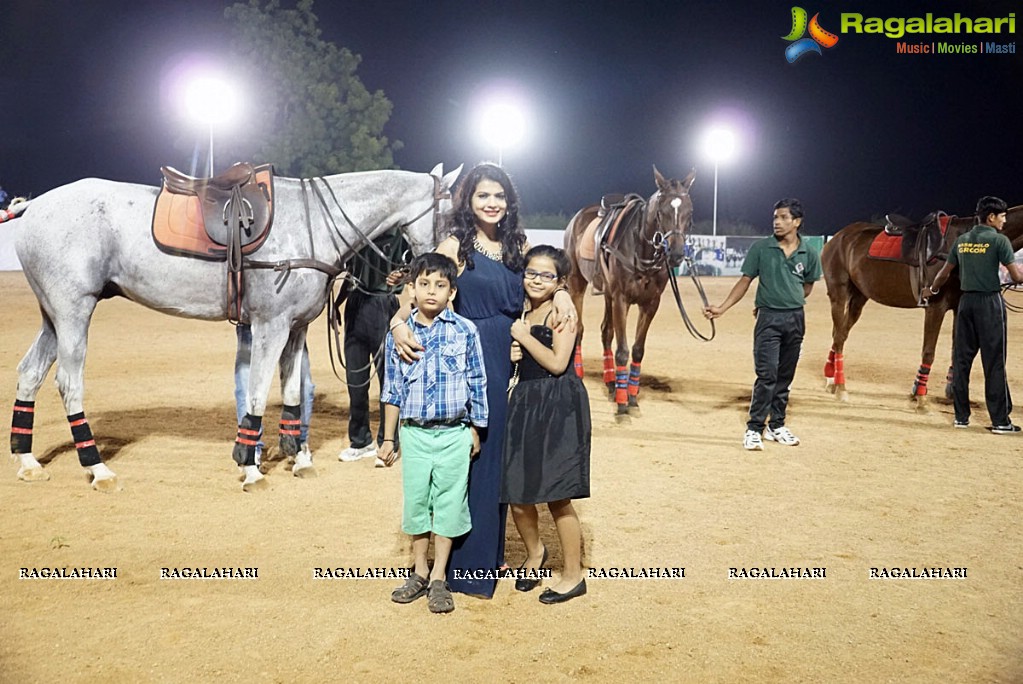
491, 296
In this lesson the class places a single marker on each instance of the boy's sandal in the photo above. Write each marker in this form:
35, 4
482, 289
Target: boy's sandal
440, 600
414, 587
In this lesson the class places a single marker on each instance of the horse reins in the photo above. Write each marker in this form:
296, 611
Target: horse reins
660, 241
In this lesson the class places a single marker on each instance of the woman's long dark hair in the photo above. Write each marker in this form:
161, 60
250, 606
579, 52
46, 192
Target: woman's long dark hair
509, 233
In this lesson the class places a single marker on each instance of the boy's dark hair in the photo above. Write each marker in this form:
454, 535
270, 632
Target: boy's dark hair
561, 263
433, 262
988, 205
794, 206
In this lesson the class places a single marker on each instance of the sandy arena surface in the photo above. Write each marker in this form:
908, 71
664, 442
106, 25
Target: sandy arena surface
875, 483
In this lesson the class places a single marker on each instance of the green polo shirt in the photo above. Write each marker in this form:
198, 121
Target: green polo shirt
977, 253
781, 279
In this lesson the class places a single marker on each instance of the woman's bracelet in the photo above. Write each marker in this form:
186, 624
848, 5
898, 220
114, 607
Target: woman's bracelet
387, 440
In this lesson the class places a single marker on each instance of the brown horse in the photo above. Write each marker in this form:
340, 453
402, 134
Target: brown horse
853, 279
638, 264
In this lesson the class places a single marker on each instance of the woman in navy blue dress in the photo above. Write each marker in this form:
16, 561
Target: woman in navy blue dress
488, 244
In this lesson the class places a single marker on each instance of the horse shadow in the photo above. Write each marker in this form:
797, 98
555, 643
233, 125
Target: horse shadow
652, 383
116, 430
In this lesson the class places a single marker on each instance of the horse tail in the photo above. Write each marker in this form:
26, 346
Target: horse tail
15, 209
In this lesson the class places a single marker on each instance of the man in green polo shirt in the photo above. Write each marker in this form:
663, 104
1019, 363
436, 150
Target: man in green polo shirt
980, 319
787, 269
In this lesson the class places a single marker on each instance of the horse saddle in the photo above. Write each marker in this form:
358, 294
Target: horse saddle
616, 211
200, 217
915, 243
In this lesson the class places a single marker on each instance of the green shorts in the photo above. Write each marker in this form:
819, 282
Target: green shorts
435, 480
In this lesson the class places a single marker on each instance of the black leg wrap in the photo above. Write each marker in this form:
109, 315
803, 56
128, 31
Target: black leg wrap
291, 424
81, 433
247, 439
21, 427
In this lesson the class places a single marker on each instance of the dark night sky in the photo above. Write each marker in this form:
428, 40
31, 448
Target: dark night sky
614, 87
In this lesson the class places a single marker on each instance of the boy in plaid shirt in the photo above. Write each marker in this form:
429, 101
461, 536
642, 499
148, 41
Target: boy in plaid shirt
440, 400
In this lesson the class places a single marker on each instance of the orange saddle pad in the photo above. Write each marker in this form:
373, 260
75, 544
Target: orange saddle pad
889, 247
179, 227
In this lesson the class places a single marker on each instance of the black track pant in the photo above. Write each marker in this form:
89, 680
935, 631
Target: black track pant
365, 318
777, 339
980, 326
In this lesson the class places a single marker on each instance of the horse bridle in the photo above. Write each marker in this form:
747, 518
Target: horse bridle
439, 193
661, 239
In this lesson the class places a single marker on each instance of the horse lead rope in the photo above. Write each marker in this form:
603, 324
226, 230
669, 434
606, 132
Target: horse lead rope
682, 309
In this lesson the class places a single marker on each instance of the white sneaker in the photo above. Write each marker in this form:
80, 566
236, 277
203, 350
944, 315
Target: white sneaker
356, 453
782, 436
752, 442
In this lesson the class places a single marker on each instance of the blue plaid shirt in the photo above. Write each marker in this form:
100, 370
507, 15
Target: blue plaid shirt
447, 382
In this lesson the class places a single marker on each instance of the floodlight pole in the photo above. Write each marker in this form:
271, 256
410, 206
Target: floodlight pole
714, 222
211, 149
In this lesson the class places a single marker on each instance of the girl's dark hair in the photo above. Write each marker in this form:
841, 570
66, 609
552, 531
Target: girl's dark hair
561, 263
463, 219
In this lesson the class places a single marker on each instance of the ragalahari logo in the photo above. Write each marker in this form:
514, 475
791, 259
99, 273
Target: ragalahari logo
818, 36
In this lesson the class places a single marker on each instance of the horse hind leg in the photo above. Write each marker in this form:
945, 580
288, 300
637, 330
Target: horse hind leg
72, 335
32, 372
607, 334
577, 286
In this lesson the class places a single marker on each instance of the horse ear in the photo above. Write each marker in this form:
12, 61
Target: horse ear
449, 180
438, 170
688, 180
662, 184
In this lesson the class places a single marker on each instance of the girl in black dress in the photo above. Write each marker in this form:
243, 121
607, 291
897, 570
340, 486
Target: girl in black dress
547, 438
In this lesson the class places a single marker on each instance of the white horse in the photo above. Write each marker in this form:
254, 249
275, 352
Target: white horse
91, 240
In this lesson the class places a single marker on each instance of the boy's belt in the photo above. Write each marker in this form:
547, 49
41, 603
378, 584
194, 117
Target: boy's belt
434, 424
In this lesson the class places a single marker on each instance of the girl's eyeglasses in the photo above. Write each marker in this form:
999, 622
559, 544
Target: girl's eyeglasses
545, 276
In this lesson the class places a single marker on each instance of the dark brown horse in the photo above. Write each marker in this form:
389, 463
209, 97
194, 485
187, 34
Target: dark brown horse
639, 260
853, 279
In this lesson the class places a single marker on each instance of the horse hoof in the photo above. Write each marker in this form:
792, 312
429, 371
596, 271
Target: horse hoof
623, 419
257, 485
829, 386
304, 472
842, 396
33, 475
106, 484
634, 411
921, 401
103, 478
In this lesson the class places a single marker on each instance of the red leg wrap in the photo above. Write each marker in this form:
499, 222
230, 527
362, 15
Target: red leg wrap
634, 380
829, 367
920, 385
579, 360
839, 369
609, 366
621, 385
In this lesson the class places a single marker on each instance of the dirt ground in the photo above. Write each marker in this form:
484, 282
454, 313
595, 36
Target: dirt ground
875, 483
